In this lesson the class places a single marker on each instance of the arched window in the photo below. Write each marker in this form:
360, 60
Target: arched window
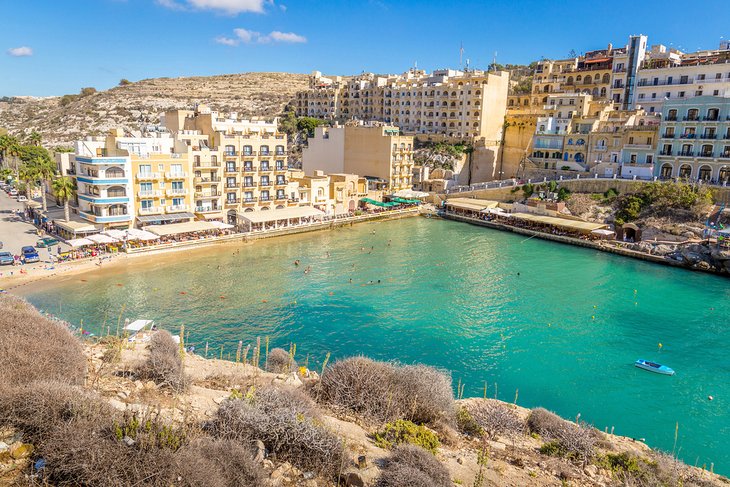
588, 79
606, 79
230, 150
279, 150
247, 150
579, 157
603, 92
214, 158
116, 192
672, 114
685, 171
706, 151
264, 150
705, 173
666, 171
114, 172
570, 80
693, 114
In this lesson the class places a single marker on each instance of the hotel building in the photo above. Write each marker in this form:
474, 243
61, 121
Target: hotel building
452, 103
695, 140
380, 153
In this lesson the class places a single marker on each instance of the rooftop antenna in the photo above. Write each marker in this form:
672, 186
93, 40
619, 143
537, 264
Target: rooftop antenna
461, 55
494, 61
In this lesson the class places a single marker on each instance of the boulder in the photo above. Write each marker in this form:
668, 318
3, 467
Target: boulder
352, 479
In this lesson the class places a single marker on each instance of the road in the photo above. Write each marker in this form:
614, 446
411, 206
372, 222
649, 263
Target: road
14, 232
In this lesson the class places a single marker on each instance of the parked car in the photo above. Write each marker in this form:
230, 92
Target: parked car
13, 192
29, 254
21, 197
6, 258
46, 242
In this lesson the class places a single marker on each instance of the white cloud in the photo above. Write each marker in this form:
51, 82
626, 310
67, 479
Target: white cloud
22, 51
277, 36
231, 7
226, 41
245, 36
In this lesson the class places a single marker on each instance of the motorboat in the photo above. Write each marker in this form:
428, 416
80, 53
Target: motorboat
654, 367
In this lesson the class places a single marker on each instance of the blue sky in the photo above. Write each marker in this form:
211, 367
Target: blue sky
54, 47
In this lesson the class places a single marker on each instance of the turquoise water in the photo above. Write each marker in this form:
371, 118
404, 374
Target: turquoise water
564, 332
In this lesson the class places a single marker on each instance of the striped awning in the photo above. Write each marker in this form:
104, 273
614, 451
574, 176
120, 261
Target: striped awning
165, 218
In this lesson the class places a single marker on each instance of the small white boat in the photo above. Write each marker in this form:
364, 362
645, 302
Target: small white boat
654, 367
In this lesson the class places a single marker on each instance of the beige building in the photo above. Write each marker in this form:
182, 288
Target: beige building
378, 152
464, 104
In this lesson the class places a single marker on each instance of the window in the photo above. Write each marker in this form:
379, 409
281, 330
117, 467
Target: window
700, 77
716, 93
177, 202
177, 185
698, 93
641, 96
649, 158
176, 169
681, 94
264, 150
146, 204
653, 96
145, 169
632, 159
145, 187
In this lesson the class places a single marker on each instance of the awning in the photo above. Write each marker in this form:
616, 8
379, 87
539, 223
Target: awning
210, 216
575, 225
597, 60
118, 234
138, 325
76, 227
471, 204
165, 218
136, 234
100, 238
409, 193
79, 242
262, 216
603, 231
221, 225
176, 228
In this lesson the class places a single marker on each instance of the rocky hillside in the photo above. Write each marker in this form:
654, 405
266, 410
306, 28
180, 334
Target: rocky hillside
61, 120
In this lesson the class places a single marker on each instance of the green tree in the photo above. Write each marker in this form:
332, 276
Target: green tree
124, 82
35, 138
46, 171
88, 91
527, 190
308, 124
64, 188
28, 174
37, 166
9, 147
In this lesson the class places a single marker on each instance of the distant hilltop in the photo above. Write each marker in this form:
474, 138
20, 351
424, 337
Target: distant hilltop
64, 119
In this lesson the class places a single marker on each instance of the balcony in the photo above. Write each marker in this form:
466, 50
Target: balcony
280, 197
292, 200
686, 153
280, 169
265, 154
206, 196
207, 209
231, 153
249, 201
706, 154
724, 155
153, 193
206, 165
708, 136
176, 208
249, 184
711, 119
106, 217
281, 153
232, 201
176, 192
281, 182
176, 175
249, 168
231, 169
638, 146
148, 176
666, 135
265, 184
249, 154
665, 153
233, 185
691, 119
264, 168
688, 136
150, 210
670, 119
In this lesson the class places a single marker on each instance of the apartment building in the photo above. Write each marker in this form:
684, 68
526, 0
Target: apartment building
378, 152
638, 151
695, 140
238, 164
453, 103
636, 76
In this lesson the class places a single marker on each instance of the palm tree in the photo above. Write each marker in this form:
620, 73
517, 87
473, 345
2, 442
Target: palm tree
28, 173
9, 147
35, 138
64, 188
45, 171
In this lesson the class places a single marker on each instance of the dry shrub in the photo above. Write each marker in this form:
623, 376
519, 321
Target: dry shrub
36, 348
218, 463
280, 362
577, 439
412, 466
40, 408
164, 365
381, 391
288, 424
494, 418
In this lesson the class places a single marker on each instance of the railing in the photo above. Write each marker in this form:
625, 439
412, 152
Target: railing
147, 175
176, 175
265, 184
206, 209
280, 197
176, 208
249, 200
281, 182
234, 201
249, 185
686, 153
201, 194
233, 185
231, 153
249, 154
691, 119
708, 136
231, 169
264, 168
150, 210
176, 192
148, 193
265, 198
207, 164
706, 154
665, 153
667, 136
249, 168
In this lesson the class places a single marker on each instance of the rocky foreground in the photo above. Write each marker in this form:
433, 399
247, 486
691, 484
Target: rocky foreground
188, 420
